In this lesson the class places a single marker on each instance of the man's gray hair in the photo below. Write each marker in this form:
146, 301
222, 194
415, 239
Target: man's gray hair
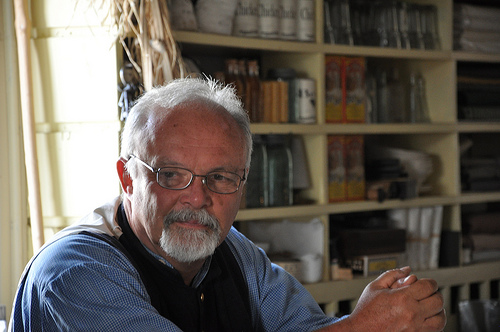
155, 103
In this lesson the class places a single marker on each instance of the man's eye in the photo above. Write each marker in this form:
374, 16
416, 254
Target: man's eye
228, 178
169, 175
218, 177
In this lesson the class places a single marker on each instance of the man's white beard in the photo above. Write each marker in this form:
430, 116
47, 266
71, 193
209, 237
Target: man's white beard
189, 245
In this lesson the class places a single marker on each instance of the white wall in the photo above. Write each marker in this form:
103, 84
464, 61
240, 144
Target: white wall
74, 68
14, 234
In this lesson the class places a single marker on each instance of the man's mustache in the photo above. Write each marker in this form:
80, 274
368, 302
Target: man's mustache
186, 215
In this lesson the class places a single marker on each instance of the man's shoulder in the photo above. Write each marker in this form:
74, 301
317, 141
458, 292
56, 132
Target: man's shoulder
245, 251
73, 252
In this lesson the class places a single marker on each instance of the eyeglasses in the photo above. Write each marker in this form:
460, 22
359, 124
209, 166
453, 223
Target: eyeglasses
178, 178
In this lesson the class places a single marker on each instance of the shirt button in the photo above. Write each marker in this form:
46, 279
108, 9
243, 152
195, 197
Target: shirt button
202, 297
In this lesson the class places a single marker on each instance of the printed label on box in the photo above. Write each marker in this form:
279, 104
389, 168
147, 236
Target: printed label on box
333, 89
336, 168
345, 92
355, 167
354, 90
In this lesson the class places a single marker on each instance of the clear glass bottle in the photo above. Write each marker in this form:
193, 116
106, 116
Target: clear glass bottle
280, 170
429, 26
413, 104
382, 98
397, 104
418, 110
423, 115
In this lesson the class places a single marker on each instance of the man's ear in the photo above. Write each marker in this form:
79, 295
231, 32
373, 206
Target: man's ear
124, 175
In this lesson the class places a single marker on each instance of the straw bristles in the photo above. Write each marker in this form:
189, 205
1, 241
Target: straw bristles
154, 52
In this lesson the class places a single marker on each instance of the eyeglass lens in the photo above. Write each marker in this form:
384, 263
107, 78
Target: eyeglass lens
180, 178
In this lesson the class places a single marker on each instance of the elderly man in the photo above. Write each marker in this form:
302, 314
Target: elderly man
165, 257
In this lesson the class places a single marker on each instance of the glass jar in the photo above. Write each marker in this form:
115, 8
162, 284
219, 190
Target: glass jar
280, 170
257, 182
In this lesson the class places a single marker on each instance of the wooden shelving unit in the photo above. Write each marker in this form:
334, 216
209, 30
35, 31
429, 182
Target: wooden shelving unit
440, 138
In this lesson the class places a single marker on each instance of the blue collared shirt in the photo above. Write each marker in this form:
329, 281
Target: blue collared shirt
80, 283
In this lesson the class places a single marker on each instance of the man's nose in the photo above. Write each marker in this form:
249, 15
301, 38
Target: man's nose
197, 193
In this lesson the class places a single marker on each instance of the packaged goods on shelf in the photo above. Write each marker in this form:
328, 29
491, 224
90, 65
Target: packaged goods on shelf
346, 170
246, 19
394, 24
215, 16
274, 97
476, 28
340, 273
478, 92
281, 98
370, 265
367, 242
302, 100
417, 164
252, 91
273, 19
355, 167
280, 170
480, 174
257, 184
288, 20
345, 89
354, 87
423, 234
333, 89
182, 15
305, 20
392, 99
286, 98
295, 245
386, 179
337, 181
371, 241
481, 236
269, 19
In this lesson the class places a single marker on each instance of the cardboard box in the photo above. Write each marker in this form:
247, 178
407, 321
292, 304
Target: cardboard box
354, 91
357, 242
274, 96
333, 89
345, 91
355, 167
373, 264
336, 168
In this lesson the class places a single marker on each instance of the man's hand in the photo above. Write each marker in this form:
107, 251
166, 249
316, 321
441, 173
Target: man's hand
407, 280
397, 301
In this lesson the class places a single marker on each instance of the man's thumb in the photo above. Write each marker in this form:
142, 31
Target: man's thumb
388, 278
